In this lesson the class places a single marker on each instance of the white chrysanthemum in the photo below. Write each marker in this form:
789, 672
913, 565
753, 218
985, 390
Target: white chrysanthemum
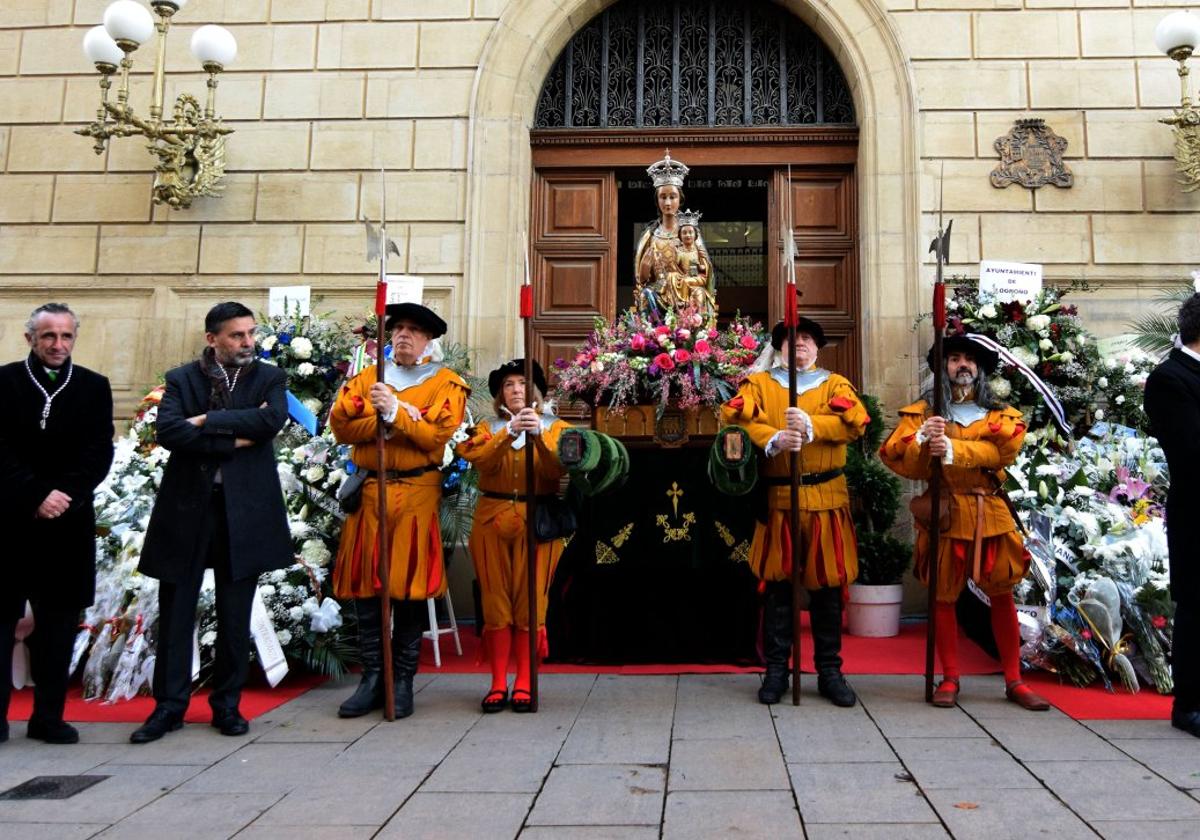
301, 347
1066, 358
296, 614
1025, 356
314, 553
1000, 387
313, 404
267, 591
208, 638
1102, 381
1037, 323
1099, 413
988, 310
269, 342
285, 637
1045, 345
314, 473
299, 529
276, 576
1120, 400
306, 369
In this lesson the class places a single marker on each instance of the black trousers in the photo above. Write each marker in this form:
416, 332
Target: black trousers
177, 618
1185, 657
50, 647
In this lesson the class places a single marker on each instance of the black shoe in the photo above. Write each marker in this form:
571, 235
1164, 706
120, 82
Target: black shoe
775, 685
833, 687
52, 732
366, 698
403, 702
3, 731
1189, 722
230, 722
157, 725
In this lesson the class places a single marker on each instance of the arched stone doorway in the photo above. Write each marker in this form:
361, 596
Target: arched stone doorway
530, 36
756, 104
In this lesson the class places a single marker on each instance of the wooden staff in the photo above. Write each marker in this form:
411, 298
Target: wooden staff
530, 487
941, 246
790, 318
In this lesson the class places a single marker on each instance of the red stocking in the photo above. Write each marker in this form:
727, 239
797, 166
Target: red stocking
521, 643
499, 644
946, 640
1008, 635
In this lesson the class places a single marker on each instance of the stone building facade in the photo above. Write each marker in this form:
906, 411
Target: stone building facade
442, 93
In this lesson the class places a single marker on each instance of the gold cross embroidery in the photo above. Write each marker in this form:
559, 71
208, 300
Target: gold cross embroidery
675, 493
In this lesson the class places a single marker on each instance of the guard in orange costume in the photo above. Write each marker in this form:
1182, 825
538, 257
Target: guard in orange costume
976, 440
422, 404
498, 537
827, 416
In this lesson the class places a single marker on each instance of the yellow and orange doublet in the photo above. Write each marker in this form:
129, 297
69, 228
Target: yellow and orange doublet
838, 418
498, 536
415, 543
982, 449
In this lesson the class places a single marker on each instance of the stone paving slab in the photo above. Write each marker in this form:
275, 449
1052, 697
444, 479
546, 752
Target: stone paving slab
1141, 829
602, 795
193, 816
349, 792
875, 831
1115, 790
436, 816
949, 749
590, 832
1177, 761
823, 733
998, 771
1034, 739
106, 802
624, 721
700, 815
860, 793
51, 831
1002, 814
727, 764
1139, 729
265, 768
311, 832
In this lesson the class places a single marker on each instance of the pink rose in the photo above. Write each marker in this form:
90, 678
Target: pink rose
748, 341
683, 335
582, 359
703, 348
664, 362
637, 341
682, 356
662, 329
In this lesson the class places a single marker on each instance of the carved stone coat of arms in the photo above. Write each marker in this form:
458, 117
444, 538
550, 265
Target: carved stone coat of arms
1031, 155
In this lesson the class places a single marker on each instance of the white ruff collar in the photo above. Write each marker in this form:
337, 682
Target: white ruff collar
401, 377
805, 380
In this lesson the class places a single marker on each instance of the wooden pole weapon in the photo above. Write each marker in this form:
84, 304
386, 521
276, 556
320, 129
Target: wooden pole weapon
530, 486
790, 318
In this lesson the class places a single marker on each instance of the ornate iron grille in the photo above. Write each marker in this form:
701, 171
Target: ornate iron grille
645, 63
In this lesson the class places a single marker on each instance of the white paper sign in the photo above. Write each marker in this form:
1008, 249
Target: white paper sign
405, 288
283, 300
1010, 281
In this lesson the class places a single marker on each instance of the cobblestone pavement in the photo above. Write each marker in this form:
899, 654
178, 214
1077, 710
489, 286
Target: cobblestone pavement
627, 757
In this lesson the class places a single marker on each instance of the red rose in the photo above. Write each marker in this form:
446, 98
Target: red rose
748, 341
703, 347
637, 341
662, 329
1159, 621
664, 362
682, 356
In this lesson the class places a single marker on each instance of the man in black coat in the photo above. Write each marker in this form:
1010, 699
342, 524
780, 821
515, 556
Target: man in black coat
220, 506
1172, 403
56, 445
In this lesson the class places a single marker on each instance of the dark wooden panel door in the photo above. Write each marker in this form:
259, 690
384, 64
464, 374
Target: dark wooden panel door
824, 219
574, 258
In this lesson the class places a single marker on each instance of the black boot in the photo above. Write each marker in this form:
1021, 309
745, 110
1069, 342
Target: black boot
406, 652
825, 612
7, 636
369, 694
777, 641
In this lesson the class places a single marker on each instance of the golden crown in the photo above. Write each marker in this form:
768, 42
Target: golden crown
667, 171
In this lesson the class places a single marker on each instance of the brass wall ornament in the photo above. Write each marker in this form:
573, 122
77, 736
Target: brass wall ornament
1031, 155
1178, 35
190, 143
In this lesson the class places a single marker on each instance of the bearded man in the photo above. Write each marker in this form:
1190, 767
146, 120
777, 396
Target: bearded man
220, 507
975, 441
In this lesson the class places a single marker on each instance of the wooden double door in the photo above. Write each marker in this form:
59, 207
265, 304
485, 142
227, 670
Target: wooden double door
590, 196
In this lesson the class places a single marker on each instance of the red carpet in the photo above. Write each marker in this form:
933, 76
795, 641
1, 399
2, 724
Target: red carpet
903, 654
256, 700
1095, 703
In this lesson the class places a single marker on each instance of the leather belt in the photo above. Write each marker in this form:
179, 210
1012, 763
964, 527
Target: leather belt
393, 475
806, 479
516, 497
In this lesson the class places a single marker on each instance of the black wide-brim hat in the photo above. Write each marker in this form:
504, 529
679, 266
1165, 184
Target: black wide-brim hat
803, 325
515, 368
422, 316
988, 360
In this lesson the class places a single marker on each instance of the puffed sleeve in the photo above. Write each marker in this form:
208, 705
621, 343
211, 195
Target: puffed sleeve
998, 443
900, 452
353, 418
748, 410
843, 418
548, 465
440, 417
484, 448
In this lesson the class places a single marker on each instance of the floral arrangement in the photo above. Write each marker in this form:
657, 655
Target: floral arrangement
1119, 386
677, 361
314, 350
1104, 505
1046, 335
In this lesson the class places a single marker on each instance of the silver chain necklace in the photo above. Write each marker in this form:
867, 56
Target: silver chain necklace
229, 385
48, 396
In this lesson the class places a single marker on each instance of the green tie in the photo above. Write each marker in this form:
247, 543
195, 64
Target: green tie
53, 374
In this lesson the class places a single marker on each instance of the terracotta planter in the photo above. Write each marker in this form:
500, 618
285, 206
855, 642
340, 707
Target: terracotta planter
874, 611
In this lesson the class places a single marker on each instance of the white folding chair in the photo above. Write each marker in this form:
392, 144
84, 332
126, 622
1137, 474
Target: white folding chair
435, 631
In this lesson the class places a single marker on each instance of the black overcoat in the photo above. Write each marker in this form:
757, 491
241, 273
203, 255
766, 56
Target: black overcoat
1172, 403
259, 539
51, 558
